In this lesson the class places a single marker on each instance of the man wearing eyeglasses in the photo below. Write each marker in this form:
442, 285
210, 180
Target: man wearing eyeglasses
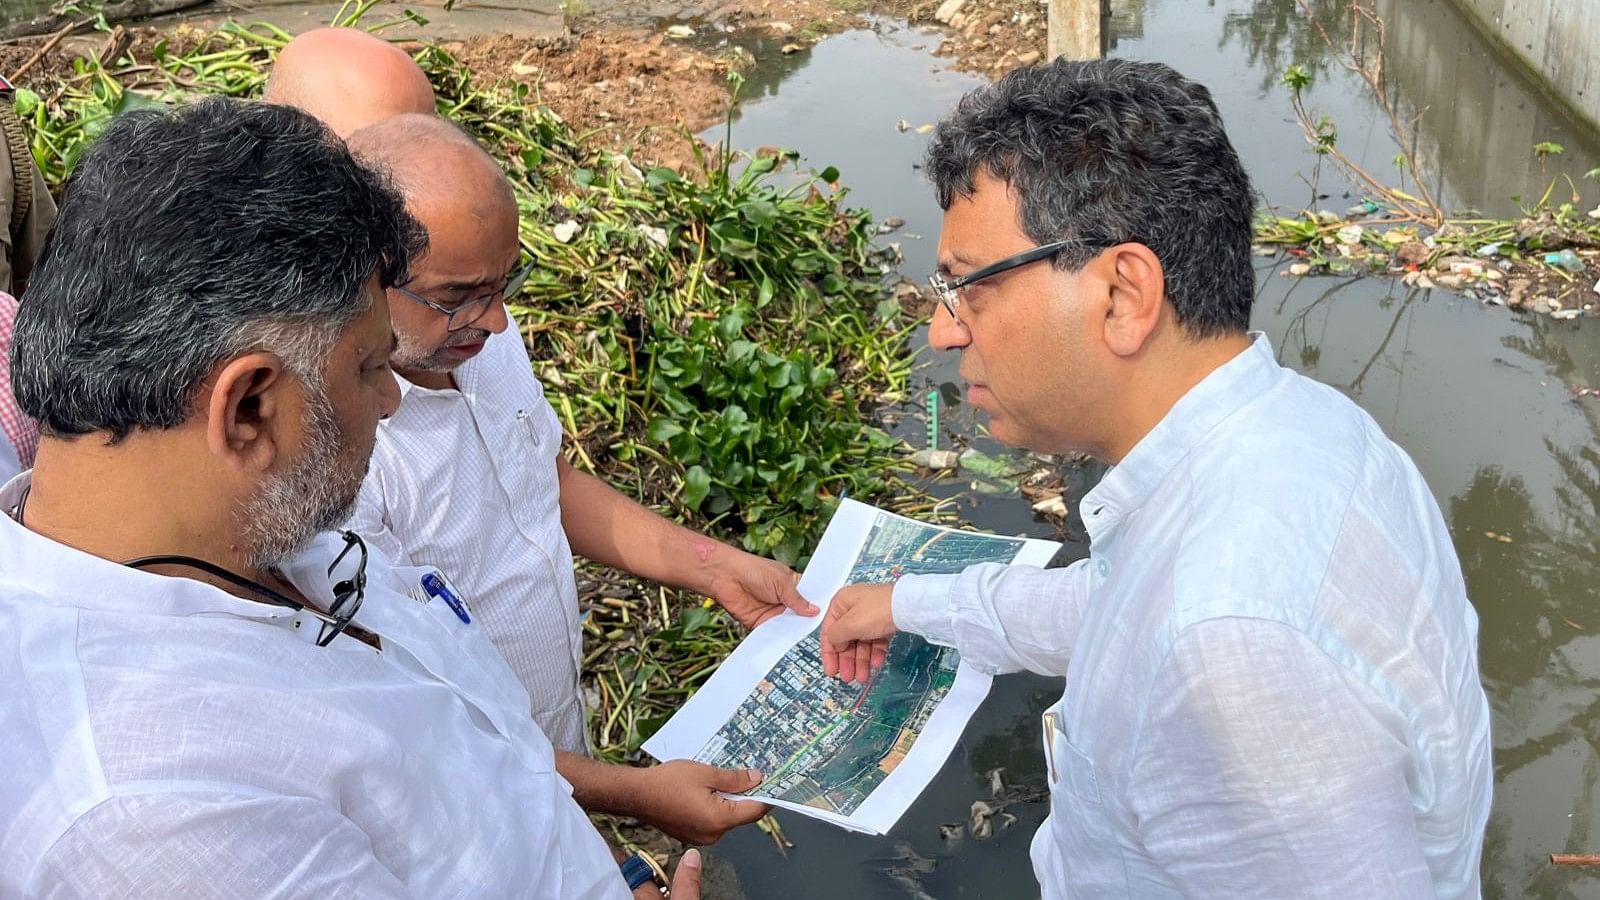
1271, 664
468, 475
208, 694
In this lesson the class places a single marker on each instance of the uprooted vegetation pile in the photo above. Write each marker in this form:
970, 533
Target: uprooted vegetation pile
708, 338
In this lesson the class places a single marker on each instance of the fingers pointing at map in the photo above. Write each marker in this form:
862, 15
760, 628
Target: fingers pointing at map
856, 631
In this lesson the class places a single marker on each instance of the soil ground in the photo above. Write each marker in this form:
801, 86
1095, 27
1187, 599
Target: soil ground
614, 74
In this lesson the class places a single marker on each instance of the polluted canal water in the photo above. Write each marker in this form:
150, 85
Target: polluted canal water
1490, 404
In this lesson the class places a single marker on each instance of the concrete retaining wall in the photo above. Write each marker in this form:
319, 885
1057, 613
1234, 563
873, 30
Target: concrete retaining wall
1558, 39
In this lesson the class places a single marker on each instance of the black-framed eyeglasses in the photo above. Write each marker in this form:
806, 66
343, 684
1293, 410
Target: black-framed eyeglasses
949, 291
348, 593
468, 311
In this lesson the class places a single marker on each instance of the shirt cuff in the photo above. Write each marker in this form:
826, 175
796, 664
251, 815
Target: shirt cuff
921, 604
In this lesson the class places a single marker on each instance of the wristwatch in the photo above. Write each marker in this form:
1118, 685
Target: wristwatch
640, 869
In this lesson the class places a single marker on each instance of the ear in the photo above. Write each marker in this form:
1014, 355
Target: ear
1138, 293
245, 405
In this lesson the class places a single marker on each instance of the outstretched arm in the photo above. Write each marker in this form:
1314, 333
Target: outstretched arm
604, 525
1002, 618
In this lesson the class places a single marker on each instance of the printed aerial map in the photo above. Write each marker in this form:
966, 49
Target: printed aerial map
825, 743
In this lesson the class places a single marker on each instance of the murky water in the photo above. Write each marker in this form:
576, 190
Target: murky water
1479, 397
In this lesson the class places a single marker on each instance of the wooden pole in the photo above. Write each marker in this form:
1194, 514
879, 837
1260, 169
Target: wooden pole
1575, 859
1074, 29
25, 18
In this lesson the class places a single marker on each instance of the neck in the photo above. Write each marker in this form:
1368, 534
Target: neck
142, 497
1157, 387
430, 379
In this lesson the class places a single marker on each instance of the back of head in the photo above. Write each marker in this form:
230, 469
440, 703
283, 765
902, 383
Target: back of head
189, 236
1109, 152
348, 78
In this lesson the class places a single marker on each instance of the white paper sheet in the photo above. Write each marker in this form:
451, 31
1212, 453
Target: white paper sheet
853, 756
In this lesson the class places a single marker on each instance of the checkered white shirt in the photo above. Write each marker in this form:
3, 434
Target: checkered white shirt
466, 481
20, 434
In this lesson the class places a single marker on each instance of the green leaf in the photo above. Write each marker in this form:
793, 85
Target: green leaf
583, 177
132, 100
759, 213
661, 175
696, 484
26, 102
663, 430
830, 174
693, 619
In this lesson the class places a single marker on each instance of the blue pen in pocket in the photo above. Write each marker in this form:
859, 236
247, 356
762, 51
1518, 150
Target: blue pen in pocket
436, 586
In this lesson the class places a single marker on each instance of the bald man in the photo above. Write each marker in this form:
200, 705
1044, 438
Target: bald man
348, 78
469, 471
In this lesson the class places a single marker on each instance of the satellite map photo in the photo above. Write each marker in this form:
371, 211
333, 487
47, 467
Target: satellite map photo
825, 743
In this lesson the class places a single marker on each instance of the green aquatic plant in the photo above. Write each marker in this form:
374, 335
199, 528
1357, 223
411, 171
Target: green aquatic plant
714, 340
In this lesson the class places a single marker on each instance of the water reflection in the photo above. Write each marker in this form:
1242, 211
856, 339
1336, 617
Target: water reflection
1474, 120
1275, 35
1479, 402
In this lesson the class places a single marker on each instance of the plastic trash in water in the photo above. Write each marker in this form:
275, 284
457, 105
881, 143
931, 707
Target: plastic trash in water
1566, 259
1365, 208
1490, 249
936, 460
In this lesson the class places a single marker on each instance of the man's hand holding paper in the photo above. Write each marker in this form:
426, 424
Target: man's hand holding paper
856, 631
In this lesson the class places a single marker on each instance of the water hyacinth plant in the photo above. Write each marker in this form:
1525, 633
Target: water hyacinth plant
713, 340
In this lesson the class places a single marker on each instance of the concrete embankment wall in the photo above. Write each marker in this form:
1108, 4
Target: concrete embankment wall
1559, 40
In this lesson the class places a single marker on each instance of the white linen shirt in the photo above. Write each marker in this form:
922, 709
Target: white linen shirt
466, 480
167, 739
1272, 680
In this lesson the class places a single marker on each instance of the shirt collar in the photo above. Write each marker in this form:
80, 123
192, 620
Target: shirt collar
1219, 395
31, 564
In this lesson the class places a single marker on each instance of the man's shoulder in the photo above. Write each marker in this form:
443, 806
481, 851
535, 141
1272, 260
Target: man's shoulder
1269, 497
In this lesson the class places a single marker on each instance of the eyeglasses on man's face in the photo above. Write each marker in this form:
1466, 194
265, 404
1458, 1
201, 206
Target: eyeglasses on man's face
466, 312
949, 290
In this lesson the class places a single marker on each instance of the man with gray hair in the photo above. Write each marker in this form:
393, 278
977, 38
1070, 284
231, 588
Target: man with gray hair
208, 693
1272, 678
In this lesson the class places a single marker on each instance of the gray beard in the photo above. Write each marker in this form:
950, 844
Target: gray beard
313, 497
408, 358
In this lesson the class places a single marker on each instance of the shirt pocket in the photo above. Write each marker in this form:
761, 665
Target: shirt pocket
1087, 854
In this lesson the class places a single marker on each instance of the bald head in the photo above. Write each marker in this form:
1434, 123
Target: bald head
434, 163
459, 194
349, 79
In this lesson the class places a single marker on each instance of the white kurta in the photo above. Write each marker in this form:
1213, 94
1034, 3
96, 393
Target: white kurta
167, 739
466, 481
1272, 676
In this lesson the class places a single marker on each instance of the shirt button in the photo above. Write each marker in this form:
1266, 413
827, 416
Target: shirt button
1104, 567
